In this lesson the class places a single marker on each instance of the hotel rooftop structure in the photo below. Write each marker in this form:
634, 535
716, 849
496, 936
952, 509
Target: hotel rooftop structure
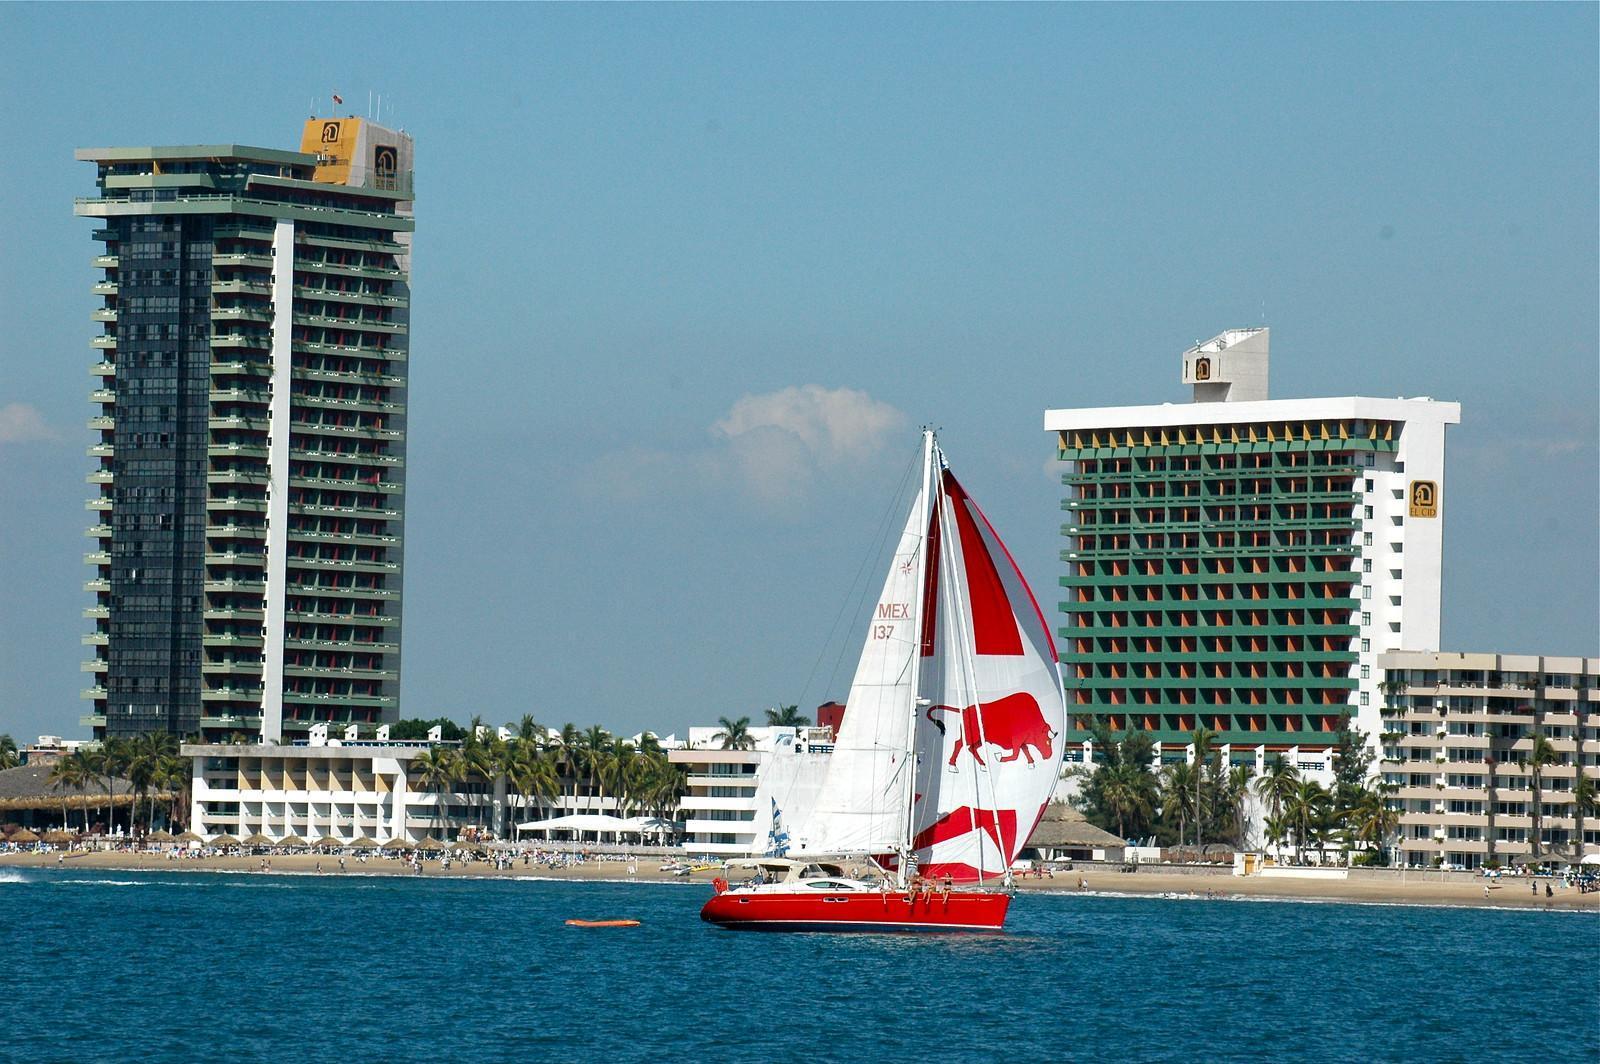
1238, 562
249, 472
1458, 738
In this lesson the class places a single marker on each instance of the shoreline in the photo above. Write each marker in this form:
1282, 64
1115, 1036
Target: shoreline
1220, 884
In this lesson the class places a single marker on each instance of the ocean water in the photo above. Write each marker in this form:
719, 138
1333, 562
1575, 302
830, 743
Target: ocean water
162, 967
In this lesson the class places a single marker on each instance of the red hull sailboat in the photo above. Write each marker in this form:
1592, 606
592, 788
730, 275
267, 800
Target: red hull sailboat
948, 753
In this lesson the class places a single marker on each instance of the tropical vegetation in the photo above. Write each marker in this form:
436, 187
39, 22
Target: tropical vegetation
1203, 798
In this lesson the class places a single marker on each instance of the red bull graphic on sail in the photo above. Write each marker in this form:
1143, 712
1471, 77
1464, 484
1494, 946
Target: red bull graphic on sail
1014, 723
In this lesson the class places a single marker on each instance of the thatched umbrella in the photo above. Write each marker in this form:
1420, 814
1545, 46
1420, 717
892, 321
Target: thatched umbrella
23, 836
461, 845
258, 839
396, 844
159, 836
329, 844
292, 841
57, 837
431, 843
364, 843
188, 836
225, 840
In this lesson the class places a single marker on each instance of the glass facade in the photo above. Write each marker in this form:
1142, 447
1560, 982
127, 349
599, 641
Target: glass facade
213, 255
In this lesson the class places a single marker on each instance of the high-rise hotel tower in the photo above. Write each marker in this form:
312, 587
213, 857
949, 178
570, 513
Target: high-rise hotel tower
1238, 563
250, 469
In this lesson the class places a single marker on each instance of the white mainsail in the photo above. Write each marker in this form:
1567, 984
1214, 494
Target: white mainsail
863, 806
958, 667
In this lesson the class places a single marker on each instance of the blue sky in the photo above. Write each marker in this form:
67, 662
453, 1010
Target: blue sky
688, 278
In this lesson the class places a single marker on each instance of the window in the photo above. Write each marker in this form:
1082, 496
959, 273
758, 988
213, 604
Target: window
1366, 539
1369, 484
1366, 697
1371, 460
1366, 618
1366, 565
1366, 511
1366, 646
1366, 672
1366, 592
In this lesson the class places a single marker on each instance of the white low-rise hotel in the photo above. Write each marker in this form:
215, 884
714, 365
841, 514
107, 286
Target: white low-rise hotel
732, 795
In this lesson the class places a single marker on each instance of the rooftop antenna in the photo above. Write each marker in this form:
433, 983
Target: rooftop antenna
380, 109
369, 103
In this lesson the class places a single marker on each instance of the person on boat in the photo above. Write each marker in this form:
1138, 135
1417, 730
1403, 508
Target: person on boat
946, 883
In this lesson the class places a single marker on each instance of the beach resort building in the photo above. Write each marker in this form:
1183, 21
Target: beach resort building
333, 789
1459, 734
734, 799
249, 468
1238, 562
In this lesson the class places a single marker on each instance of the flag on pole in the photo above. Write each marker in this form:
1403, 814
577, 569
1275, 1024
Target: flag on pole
338, 99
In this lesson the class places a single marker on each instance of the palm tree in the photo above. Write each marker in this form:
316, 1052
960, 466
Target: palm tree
8, 753
1542, 754
109, 761
1237, 790
735, 734
1585, 802
73, 771
1372, 819
786, 717
482, 759
1275, 787
437, 768
1177, 794
1201, 738
1307, 807
591, 750
1126, 793
614, 769
144, 754
531, 771
528, 728
173, 775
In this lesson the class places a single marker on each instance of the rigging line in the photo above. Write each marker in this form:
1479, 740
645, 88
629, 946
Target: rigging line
874, 550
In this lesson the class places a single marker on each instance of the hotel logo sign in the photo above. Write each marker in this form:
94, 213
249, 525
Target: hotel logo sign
1202, 369
1424, 498
330, 132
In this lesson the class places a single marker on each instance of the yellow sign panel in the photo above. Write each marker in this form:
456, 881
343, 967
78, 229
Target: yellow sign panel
335, 139
1424, 498
1202, 369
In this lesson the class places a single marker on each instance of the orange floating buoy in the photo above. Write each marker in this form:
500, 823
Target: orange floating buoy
602, 923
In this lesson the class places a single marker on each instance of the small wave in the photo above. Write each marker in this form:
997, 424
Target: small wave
9, 876
105, 882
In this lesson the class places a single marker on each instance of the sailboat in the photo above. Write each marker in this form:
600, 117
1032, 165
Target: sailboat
949, 751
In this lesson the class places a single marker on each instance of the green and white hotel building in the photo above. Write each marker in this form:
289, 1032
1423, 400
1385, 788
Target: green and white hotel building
1238, 562
249, 471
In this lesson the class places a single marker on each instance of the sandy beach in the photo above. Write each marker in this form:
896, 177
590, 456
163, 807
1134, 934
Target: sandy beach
1418, 888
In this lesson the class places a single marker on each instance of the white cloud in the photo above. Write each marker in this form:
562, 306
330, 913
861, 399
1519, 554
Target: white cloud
771, 447
21, 423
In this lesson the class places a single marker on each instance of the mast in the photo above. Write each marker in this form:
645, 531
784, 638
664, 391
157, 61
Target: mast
909, 766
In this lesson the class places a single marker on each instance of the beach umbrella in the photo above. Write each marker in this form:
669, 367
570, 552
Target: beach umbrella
329, 844
396, 844
258, 839
225, 840
188, 836
363, 843
57, 836
24, 836
292, 841
159, 836
431, 843
462, 845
